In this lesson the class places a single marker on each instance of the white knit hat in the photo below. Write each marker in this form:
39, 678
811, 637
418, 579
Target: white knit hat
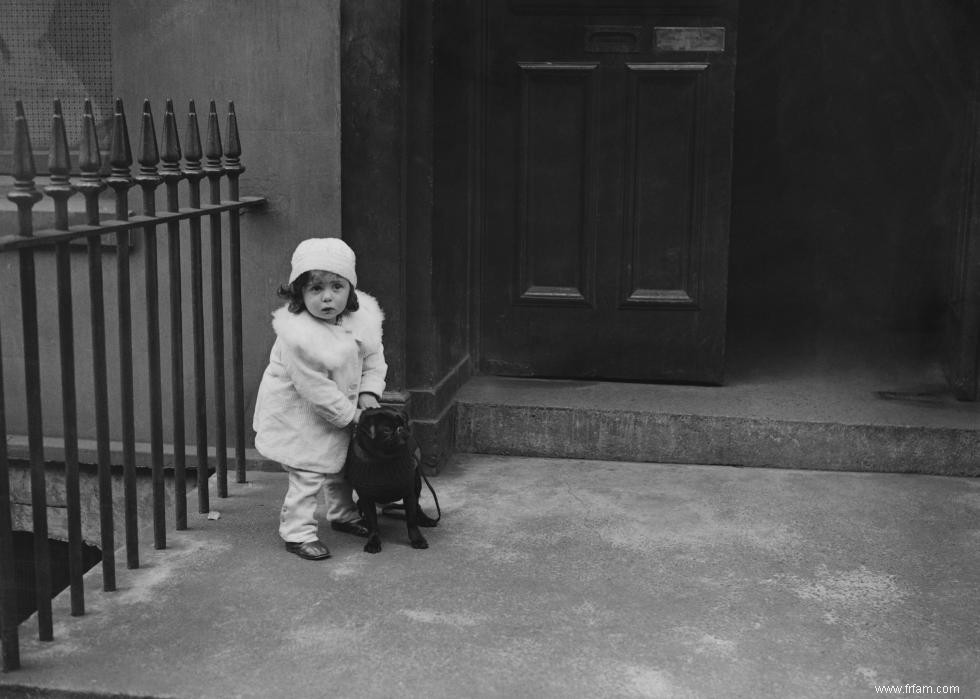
328, 254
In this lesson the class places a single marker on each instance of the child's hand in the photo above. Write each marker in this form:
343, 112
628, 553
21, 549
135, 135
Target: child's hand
367, 400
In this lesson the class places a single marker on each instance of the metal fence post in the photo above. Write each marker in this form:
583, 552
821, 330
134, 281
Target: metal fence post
91, 185
194, 173
148, 179
234, 169
60, 189
170, 170
214, 171
9, 632
24, 195
120, 180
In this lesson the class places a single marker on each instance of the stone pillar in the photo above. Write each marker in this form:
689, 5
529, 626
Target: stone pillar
404, 126
372, 155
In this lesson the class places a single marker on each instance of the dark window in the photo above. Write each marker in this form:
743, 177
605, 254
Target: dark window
53, 49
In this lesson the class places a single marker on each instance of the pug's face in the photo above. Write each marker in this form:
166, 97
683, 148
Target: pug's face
387, 430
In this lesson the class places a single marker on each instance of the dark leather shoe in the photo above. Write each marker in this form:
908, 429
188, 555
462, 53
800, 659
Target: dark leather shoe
310, 550
355, 527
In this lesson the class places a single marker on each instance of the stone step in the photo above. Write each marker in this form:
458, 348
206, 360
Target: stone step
823, 422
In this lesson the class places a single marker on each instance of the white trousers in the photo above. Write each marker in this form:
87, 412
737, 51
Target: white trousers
297, 519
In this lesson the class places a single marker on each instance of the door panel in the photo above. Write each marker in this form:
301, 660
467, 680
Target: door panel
661, 264
607, 171
556, 195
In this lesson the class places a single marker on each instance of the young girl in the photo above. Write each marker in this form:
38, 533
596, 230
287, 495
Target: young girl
326, 365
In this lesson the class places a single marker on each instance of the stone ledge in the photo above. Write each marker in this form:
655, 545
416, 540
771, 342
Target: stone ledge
700, 439
750, 425
54, 450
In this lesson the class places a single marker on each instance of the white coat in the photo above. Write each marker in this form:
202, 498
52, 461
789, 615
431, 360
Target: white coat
308, 393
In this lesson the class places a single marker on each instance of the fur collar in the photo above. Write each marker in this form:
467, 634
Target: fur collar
301, 331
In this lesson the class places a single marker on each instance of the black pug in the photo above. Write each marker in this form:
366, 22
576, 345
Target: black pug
382, 467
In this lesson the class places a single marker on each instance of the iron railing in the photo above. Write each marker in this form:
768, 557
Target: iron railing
210, 162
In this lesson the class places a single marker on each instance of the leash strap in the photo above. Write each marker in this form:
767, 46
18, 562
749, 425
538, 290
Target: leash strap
431, 490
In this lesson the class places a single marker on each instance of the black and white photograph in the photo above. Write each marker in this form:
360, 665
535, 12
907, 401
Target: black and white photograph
465, 349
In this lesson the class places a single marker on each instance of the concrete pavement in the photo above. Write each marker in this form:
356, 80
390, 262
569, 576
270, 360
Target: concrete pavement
552, 578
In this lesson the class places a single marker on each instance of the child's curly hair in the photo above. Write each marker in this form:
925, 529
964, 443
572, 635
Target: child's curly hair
293, 294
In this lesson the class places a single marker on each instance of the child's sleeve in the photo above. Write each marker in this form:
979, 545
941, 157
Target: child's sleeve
373, 372
314, 384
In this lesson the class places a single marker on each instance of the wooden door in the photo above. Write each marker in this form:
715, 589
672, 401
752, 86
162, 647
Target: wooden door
607, 172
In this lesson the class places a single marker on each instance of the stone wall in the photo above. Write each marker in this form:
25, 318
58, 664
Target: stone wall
279, 63
56, 498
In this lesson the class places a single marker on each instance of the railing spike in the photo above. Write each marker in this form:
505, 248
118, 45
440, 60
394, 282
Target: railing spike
171, 143
120, 152
59, 162
24, 194
212, 149
147, 176
149, 153
24, 170
233, 152
59, 167
192, 140
90, 164
234, 148
89, 157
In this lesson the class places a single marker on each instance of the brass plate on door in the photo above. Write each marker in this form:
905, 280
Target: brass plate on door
702, 39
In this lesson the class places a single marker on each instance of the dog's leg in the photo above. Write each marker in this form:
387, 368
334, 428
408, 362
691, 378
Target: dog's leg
370, 514
412, 521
